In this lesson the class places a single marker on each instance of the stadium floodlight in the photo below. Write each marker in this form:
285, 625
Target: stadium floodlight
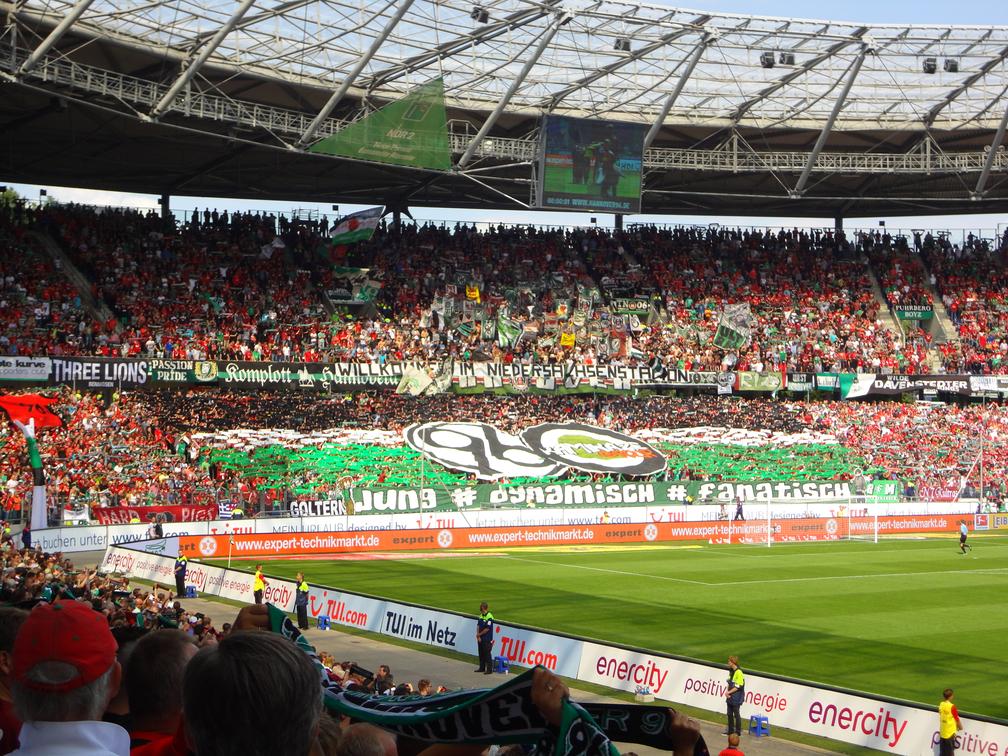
622, 44
930, 65
786, 59
479, 14
767, 59
951, 65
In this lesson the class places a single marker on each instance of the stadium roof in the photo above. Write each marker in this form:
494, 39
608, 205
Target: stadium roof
747, 112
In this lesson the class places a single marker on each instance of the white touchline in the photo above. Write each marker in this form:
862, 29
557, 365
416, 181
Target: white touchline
859, 577
615, 572
997, 570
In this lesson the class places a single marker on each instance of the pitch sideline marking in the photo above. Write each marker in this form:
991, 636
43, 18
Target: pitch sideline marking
995, 570
615, 572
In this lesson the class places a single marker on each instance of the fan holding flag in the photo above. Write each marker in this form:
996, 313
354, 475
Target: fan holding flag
30, 413
357, 227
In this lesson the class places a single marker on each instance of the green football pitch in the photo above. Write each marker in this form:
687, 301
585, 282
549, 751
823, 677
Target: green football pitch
559, 179
903, 618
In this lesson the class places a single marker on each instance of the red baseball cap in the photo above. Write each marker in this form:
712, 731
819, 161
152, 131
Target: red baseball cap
68, 632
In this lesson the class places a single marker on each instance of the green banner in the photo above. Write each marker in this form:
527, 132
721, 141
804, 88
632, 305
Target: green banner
750, 381
914, 312
560, 495
412, 131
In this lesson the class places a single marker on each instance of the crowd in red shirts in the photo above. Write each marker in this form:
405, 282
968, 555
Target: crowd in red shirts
972, 282
243, 286
139, 449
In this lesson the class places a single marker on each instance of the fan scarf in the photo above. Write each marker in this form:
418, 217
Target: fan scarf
500, 715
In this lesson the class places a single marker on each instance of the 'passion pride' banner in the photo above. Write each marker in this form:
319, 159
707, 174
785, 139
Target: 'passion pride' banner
142, 373
170, 513
344, 542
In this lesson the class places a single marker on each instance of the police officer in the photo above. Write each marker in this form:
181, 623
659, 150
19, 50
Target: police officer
181, 565
301, 601
484, 638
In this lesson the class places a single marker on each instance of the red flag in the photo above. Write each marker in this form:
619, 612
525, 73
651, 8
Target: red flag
31, 406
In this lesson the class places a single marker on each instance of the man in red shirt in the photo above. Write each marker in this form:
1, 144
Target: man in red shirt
733, 747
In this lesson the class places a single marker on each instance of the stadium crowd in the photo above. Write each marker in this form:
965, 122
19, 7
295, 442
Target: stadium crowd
972, 282
139, 449
244, 286
93, 665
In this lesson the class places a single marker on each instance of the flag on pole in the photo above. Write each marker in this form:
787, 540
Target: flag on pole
357, 227
735, 327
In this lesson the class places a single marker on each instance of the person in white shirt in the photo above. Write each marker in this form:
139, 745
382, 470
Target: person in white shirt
65, 673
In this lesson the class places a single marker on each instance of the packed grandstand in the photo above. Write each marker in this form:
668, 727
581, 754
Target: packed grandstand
362, 394
253, 288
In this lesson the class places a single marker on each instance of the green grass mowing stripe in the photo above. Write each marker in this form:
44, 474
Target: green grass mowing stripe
900, 618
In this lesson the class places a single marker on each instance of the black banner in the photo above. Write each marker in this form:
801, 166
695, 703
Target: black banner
140, 373
98, 372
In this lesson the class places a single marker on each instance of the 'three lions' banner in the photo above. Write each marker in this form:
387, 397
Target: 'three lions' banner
139, 373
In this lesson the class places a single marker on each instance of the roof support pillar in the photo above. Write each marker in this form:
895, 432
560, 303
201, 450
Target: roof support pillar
207, 50
978, 193
547, 37
54, 36
702, 45
352, 76
828, 126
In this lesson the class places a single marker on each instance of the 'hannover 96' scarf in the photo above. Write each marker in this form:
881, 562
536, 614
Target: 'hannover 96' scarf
500, 715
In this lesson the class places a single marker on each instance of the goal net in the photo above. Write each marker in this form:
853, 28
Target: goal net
767, 524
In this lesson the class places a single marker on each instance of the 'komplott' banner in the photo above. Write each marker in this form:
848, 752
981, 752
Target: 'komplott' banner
136, 373
883, 724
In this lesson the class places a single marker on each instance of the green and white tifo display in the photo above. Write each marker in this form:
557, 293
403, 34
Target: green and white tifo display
800, 465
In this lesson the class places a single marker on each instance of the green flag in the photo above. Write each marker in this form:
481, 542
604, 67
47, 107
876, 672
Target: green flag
734, 329
412, 131
357, 227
